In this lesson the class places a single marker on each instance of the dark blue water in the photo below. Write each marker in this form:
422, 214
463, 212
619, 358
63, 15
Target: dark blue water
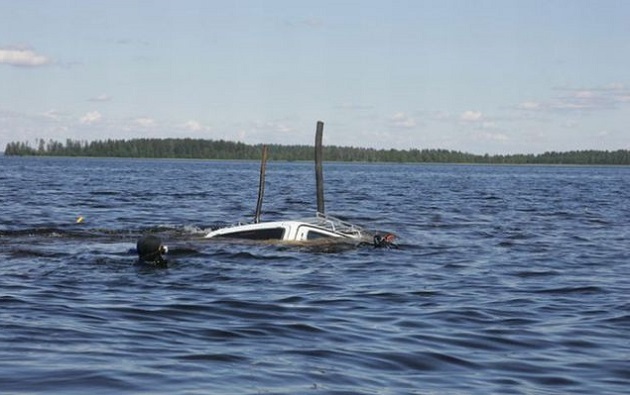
508, 280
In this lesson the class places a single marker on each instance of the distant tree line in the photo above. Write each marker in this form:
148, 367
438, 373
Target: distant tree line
221, 149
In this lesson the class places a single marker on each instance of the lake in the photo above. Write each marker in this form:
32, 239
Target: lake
507, 280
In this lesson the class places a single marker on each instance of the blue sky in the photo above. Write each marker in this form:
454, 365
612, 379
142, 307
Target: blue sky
476, 76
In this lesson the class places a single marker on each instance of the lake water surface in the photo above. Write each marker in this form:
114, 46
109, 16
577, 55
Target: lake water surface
508, 280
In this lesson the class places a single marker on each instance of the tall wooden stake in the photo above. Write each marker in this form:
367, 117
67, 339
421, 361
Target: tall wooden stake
319, 176
261, 184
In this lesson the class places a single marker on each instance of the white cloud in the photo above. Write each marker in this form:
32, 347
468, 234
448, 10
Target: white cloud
193, 126
144, 122
52, 114
493, 136
22, 58
529, 105
471, 116
402, 120
584, 94
489, 125
274, 126
196, 127
101, 98
91, 118
283, 128
585, 99
281, 131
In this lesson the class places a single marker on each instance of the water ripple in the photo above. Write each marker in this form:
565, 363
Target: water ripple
507, 280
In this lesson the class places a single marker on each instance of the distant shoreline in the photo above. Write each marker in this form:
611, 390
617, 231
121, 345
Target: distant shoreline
309, 162
201, 149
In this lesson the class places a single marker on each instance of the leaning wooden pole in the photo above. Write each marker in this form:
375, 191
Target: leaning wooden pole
319, 176
261, 184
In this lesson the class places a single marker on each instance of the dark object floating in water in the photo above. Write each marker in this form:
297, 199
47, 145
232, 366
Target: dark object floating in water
386, 241
150, 250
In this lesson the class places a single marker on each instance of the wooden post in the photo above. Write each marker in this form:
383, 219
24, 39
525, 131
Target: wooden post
319, 176
261, 184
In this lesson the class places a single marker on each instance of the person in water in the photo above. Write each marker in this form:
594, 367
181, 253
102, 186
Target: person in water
150, 250
386, 241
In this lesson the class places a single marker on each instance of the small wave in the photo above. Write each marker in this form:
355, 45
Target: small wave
553, 380
579, 344
105, 193
38, 232
623, 319
248, 255
35, 253
418, 361
67, 380
572, 290
536, 273
294, 299
10, 301
211, 358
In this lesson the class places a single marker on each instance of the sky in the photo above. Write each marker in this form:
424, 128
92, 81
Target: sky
497, 77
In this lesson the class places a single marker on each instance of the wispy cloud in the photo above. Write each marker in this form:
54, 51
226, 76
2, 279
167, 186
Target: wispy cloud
20, 57
530, 106
492, 136
101, 98
471, 116
585, 100
195, 126
281, 127
52, 114
402, 120
144, 122
90, 118
282, 131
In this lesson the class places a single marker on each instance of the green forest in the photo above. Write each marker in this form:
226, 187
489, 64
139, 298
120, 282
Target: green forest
220, 149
